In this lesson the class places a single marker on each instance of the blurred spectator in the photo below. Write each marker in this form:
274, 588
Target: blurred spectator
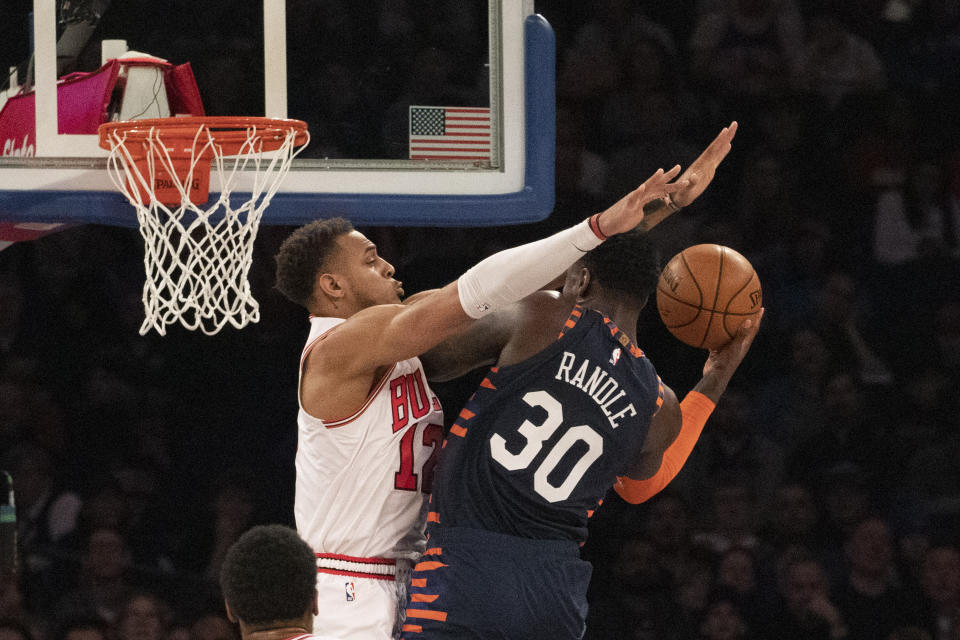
836, 62
869, 595
231, 508
649, 66
733, 517
848, 499
144, 616
694, 588
909, 633
634, 601
930, 473
747, 47
49, 427
793, 277
103, 586
12, 605
106, 406
846, 327
878, 153
793, 519
850, 431
178, 631
581, 173
213, 627
952, 185
234, 509
926, 431
788, 405
588, 70
723, 619
13, 630
46, 514
911, 527
940, 582
912, 221
767, 202
947, 337
808, 612
733, 447
652, 141
738, 572
668, 524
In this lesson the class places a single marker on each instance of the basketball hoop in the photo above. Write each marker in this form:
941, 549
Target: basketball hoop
198, 255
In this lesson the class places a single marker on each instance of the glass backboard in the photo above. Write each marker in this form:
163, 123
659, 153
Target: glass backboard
421, 112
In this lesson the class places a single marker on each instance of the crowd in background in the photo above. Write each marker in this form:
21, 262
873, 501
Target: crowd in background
823, 499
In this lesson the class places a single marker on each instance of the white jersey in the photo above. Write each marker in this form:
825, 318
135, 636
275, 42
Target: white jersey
361, 479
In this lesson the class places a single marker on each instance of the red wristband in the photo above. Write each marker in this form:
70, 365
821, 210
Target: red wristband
595, 226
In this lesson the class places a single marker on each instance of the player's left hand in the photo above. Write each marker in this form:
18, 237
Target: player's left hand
701, 172
627, 212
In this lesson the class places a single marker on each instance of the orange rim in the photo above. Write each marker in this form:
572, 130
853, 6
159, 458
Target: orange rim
229, 132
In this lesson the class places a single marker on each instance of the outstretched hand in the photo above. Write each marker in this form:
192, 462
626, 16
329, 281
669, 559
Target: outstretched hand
627, 212
699, 174
724, 361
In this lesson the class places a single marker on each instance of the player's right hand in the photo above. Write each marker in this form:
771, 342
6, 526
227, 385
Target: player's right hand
724, 361
701, 172
627, 212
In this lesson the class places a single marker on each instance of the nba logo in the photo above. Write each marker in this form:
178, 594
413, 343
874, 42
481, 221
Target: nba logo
350, 591
615, 356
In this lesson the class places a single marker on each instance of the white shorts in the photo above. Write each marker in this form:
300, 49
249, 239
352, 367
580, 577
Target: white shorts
361, 608
355, 608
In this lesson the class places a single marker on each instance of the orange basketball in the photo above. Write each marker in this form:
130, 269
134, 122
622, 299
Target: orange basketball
705, 293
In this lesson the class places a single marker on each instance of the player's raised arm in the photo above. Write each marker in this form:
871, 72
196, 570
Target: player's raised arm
380, 334
698, 177
675, 429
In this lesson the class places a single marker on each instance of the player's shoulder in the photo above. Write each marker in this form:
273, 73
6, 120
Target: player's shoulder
541, 309
538, 299
366, 322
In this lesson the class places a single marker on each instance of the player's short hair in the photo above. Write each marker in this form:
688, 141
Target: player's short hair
627, 263
269, 575
303, 254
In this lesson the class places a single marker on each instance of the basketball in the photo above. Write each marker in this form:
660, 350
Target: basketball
705, 293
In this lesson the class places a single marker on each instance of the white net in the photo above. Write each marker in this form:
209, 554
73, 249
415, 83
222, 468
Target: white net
197, 259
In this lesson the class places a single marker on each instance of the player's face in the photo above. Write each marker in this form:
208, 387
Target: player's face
368, 277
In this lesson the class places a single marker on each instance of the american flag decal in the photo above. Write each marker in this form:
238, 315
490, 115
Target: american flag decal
450, 133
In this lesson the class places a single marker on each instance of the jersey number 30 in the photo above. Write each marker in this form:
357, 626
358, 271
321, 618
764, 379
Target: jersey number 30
536, 435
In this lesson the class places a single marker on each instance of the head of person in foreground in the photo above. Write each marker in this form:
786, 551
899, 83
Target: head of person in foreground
269, 579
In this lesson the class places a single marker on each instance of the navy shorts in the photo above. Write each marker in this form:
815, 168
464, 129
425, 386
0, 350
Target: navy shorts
478, 584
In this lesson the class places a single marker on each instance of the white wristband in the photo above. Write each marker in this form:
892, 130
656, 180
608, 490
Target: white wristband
513, 274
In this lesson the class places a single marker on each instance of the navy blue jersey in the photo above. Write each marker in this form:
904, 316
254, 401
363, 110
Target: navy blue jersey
540, 442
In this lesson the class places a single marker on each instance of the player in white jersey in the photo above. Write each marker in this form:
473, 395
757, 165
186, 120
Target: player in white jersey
268, 585
367, 421
343, 489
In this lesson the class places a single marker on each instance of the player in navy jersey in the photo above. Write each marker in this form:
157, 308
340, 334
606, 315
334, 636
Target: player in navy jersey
369, 428
571, 408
